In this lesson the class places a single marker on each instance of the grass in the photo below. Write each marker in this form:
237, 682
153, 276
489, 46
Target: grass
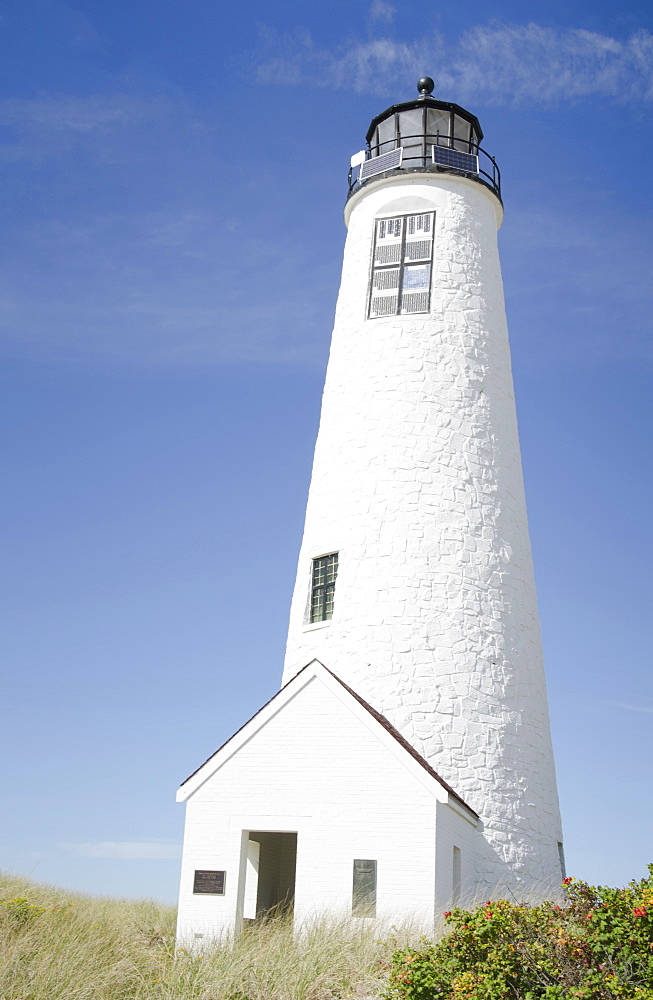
56, 945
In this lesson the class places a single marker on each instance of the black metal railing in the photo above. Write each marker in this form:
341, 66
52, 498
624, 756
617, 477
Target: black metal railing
417, 155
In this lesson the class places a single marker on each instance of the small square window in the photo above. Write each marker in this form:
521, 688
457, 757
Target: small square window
323, 586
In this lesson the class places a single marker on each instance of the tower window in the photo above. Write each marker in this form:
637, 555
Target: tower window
401, 266
323, 585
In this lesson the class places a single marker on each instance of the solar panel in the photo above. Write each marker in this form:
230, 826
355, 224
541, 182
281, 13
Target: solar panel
377, 164
448, 157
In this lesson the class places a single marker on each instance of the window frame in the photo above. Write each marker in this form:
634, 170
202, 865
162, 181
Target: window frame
325, 590
400, 265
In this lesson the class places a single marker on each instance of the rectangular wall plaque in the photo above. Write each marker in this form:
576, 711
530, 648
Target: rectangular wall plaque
209, 882
363, 901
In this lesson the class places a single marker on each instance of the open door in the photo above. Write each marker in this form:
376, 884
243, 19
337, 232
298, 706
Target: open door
270, 874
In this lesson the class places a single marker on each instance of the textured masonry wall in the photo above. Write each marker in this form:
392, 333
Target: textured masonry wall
315, 768
417, 483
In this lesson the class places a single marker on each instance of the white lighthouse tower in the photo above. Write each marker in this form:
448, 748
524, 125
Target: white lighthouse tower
417, 487
409, 749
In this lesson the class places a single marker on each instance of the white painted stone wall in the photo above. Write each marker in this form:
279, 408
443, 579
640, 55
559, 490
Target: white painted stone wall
452, 829
417, 483
320, 766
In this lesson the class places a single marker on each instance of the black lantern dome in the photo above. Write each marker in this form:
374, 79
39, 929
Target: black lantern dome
426, 134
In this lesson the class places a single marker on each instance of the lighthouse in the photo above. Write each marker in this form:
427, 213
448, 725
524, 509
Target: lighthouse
406, 763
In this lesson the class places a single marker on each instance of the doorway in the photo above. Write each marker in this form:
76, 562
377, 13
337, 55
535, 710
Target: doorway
270, 874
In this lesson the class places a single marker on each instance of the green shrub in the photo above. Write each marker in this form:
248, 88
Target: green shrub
597, 946
62, 946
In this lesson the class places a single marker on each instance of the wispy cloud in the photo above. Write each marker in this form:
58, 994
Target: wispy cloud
126, 850
579, 284
382, 11
158, 287
40, 128
499, 64
94, 273
77, 113
647, 709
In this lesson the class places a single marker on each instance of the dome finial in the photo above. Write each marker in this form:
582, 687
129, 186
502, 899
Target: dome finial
425, 86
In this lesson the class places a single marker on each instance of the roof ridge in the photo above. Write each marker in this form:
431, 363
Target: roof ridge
381, 719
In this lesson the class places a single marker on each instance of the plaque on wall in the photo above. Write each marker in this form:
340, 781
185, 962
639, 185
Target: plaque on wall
211, 882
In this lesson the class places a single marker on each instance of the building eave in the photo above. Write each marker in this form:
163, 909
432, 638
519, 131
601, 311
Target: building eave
276, 703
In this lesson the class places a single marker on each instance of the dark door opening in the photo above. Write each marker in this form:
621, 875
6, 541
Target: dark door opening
270, 873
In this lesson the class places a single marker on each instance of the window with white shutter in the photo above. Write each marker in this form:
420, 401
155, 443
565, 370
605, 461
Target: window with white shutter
401, 265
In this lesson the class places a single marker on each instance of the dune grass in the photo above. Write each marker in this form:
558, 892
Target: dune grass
56, 945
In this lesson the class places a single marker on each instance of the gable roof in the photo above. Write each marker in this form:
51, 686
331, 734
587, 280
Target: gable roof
313, 668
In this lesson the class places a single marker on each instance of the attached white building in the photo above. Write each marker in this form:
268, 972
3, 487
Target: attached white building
315, 793
406, 763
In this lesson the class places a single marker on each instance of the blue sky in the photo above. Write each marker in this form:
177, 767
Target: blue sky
172, 184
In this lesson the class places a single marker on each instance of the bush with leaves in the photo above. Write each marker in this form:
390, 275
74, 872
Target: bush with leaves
598, 946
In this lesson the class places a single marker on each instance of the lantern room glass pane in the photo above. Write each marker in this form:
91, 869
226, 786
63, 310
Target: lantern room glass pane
438, 121
462, 131
411, 126
385, 136
411, 130
411, 123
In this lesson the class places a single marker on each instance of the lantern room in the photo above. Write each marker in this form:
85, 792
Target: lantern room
425, 134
